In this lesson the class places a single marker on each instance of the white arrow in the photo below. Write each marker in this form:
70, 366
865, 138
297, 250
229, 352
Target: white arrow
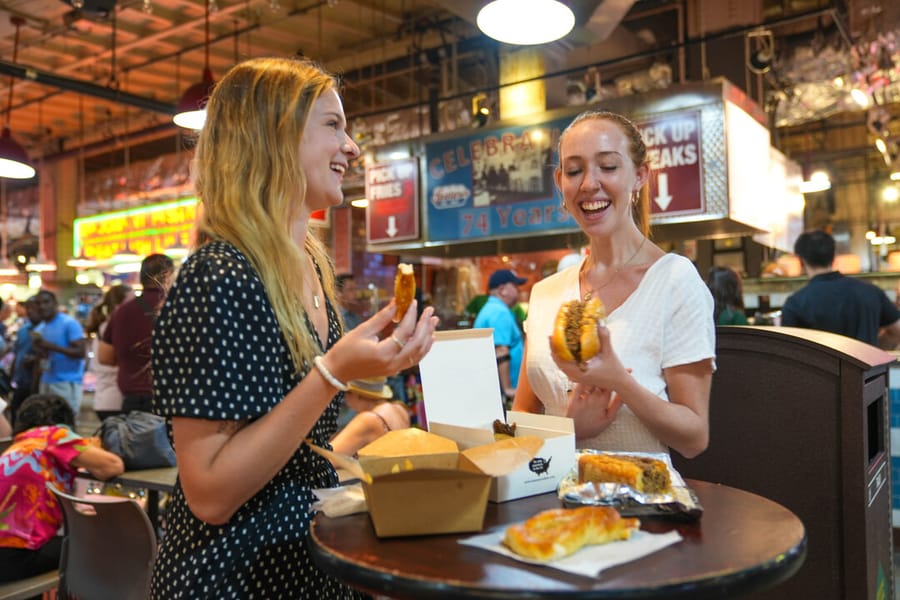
662, 197
392, 226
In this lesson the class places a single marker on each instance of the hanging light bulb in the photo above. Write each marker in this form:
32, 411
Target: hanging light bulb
818, 181
126, 255
7, 269
176, 250
81, 262
525, 22
40, 264
147, 7
191, 111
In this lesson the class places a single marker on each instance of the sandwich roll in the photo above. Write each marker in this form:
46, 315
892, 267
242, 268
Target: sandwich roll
574, 334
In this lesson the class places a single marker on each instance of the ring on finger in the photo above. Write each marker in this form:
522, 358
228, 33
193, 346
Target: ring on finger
400, 344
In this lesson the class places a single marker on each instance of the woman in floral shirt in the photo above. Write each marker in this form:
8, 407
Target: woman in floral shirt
45, 448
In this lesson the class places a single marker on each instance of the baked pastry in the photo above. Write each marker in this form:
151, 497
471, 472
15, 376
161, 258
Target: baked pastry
559, 532
643, 474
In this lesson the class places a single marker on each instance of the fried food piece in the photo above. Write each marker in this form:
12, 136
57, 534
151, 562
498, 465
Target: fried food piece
503, 431
404, 289
643, 474
559, 532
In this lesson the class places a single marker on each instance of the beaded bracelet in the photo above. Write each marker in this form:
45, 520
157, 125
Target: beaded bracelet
326, 374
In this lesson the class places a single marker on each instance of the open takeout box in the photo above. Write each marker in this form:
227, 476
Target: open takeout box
422, 484
461, 391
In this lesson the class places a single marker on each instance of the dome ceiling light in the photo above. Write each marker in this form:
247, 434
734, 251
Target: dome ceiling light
525, 22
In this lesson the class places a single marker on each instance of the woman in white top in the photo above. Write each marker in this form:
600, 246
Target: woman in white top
107, 396
648, 389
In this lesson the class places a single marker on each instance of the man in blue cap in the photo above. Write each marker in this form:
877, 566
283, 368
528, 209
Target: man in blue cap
503, 293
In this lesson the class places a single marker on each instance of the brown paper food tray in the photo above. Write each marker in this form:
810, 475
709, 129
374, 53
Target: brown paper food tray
428, 501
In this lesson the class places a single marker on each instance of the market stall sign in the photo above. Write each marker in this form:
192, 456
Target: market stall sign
493, 184
392, 190
145, 230
674, 153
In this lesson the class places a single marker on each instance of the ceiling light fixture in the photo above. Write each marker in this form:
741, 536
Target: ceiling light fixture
13, 158
760, 58
126, 255
40, 263
191, 111
81, 260
481, 112
7, 269
818, 181
525, 22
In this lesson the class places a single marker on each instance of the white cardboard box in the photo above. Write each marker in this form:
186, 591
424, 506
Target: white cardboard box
461, 390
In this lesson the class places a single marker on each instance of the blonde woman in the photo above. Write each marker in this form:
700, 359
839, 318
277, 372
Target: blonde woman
248, 358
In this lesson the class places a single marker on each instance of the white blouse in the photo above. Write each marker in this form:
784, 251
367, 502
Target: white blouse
667, 321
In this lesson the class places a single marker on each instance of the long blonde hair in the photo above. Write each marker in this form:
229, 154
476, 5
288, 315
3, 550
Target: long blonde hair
251, 185
640, 207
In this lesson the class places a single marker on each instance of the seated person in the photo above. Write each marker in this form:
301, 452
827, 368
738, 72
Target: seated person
374, 414
45, 448
5, 427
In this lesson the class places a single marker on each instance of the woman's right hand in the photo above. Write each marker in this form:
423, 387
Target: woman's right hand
360, 353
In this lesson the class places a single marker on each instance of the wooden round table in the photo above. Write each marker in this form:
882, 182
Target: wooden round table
743, 543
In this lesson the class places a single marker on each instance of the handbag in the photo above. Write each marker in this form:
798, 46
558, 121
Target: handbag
139, 438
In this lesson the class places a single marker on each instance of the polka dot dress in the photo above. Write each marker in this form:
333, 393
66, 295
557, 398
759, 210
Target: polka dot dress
218, 353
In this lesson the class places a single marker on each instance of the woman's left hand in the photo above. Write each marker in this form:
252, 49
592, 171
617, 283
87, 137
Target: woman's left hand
361, 353
593, 409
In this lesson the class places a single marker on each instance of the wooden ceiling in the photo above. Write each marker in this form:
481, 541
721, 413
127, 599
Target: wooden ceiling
114, 70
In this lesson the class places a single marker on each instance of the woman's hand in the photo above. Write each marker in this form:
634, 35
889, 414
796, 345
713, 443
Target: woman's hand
361, 353
603, 370
593, 409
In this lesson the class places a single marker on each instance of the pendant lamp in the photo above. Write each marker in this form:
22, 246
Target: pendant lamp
126, 255
13, 158
81, 261
191, 111
40, 263
7, 268
525, 22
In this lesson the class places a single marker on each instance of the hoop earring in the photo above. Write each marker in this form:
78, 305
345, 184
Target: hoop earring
635, 197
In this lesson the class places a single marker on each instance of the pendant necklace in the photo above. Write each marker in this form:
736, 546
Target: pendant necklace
314, 285
591, 290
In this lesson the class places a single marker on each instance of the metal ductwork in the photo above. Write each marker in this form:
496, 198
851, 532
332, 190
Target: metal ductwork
84, 87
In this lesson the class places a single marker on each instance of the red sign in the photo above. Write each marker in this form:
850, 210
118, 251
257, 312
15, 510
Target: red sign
319, 217
392, 190
674, 152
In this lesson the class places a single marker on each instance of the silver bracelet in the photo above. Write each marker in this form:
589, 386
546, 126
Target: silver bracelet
326, 374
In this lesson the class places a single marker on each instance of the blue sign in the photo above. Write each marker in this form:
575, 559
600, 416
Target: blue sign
495, 183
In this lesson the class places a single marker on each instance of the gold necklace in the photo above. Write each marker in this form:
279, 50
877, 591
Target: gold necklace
591, 290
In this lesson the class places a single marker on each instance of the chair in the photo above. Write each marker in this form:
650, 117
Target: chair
25, 589
108, 550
